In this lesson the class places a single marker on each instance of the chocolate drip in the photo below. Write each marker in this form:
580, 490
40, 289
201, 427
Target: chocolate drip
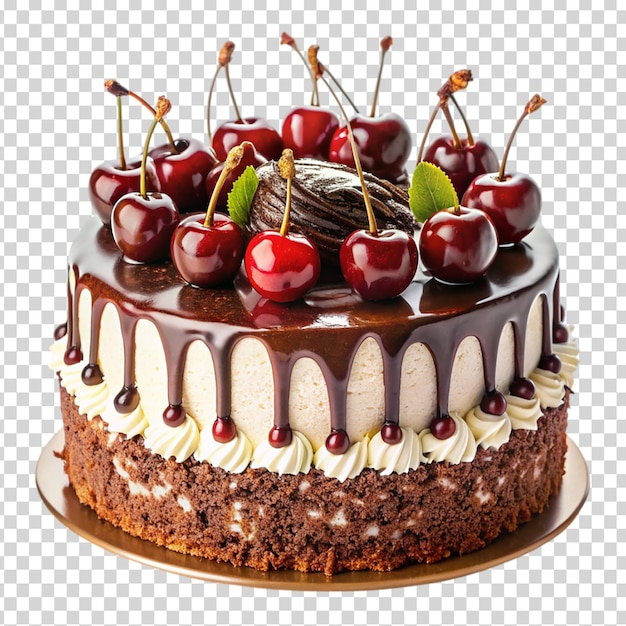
73, 353
329, 325
327, 204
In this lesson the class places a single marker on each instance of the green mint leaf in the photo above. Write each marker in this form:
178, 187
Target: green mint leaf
431, 190
240, 197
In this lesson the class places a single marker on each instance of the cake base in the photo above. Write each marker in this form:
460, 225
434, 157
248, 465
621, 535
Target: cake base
310, 522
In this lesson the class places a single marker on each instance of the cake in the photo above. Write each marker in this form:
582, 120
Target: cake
331, 433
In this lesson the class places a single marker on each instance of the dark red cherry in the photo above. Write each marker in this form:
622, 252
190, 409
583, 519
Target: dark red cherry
337, 442
182, 172
127, 399
523, 388
308, 131
72, 355
256, 130
142, 226
60, 331
458, 247
513, 203
391, 433
282, 268
464, 163
280, 436
92, 375
442, 427
378, 266
224, 429
551, 363
493, 403
560, 334
384, 145
250, 157
174, 415
108, 183
207, 256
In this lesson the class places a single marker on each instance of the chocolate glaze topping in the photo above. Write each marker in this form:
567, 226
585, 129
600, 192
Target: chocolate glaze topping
326, 204
329, 325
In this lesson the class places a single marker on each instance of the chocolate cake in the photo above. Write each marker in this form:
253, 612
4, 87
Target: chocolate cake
338, 374
140, 341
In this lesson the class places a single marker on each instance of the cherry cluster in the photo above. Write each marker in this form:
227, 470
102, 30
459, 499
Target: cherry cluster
145, 199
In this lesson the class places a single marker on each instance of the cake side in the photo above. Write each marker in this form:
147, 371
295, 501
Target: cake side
309, 522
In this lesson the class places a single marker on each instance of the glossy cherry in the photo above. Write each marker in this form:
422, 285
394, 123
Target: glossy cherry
493, 403
224, 429
265, 138
383, 142
442, 427
282, 268
464, 163
182, 172
142, 223
337, 441
174, 415
207, 248
109, 182
551, 363
522, 387
458, 245
250, 157
280, 436
308, 131
391, 433
384, 145
461, 159
512, 201
378, 266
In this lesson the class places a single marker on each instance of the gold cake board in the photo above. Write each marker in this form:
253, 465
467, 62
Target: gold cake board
59, 497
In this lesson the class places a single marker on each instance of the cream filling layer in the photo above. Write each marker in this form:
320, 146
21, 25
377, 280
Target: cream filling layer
194, 436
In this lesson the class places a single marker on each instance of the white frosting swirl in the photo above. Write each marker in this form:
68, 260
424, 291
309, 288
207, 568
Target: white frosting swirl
131, 424
460, 447
550, 388
57, 352
91, 400
523, 413
233, 456
179, 441
399, 457
342, 466
490, 431
292, 459
568, 353
71, 377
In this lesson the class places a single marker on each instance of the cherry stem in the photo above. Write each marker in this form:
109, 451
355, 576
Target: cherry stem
286, 38
535, 102
470, 137
385, 44
233, 158
446, 111
318, 70
163, 107
208, 104
427, 131
150, 108
371, 219
120, 134
232, 94
287, 169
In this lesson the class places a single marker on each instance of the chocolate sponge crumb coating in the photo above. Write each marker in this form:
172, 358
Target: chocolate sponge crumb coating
326, 204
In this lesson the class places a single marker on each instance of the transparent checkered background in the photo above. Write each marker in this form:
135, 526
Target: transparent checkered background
56, 122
